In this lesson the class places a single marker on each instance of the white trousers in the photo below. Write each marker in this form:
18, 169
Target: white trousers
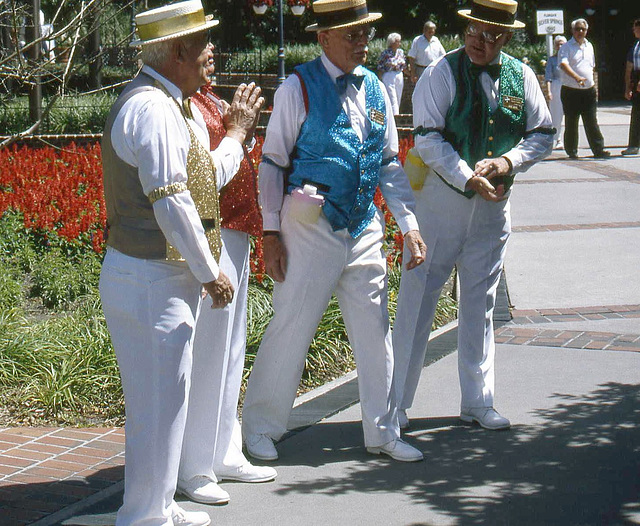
212, 437
320, 262
471, 234
555, 107
394, 82
150, 308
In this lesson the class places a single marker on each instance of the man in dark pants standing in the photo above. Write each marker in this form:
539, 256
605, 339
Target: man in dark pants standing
632, 91
579, 97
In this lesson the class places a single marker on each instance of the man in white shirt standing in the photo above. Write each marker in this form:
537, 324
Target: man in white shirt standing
424, 50
331, 142
579, 97
163, 241
480, 117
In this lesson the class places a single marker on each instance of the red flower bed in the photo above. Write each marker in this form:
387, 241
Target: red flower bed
56, 190
60, 190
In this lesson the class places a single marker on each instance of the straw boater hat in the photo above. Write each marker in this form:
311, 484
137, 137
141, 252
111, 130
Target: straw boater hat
500, 13
334, 14
171, 21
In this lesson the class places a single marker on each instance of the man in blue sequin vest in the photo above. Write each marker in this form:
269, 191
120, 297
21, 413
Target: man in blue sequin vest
480, 117
330, 143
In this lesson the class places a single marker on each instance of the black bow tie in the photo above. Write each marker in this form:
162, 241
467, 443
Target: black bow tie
492, 69
348, 78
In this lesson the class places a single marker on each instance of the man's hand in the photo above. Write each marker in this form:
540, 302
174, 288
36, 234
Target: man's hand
241, 117
486, 170
221, 291
275, 257
417, 248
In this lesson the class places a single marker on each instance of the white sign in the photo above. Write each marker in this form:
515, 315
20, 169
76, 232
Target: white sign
550, 22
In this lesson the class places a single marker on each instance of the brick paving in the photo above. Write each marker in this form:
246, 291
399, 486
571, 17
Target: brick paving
516, 331
43, 470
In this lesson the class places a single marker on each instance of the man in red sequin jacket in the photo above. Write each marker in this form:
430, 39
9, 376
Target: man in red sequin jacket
212, 449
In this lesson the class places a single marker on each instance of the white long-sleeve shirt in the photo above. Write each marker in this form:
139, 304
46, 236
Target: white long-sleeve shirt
434, 95
150, 133
282, 133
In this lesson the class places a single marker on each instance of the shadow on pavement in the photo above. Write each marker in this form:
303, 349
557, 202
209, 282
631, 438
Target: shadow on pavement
580, 465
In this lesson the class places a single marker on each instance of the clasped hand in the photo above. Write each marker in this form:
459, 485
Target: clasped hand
241, 116
485, 171
221, 291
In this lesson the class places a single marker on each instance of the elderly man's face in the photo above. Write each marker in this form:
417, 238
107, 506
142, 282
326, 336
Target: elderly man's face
346, 47
429, 32
483, 42
196, 60
579, 32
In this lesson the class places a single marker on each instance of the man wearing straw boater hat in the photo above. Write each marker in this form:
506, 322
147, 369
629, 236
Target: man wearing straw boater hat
480, 118
161, 191
332, 132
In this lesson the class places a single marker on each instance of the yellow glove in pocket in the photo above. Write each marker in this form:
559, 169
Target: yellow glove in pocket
416, 169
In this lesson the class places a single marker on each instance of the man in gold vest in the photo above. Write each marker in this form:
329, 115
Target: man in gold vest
480, 117
161, 191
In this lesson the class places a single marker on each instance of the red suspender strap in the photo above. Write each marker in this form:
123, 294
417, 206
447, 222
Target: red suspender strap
305, 95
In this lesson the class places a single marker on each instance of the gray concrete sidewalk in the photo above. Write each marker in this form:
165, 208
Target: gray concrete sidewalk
568, 377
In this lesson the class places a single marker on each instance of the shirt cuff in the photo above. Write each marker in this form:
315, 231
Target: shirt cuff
407, 223
271, 221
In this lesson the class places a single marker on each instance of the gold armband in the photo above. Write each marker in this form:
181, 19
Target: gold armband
164, 191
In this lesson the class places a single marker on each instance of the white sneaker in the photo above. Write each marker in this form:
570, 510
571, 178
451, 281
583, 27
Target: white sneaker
181, 517
559, 145
247, 472
261, 447
403, 419
487, 417
202, 489
398, 449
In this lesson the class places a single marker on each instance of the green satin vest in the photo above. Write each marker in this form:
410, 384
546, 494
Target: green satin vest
471, 127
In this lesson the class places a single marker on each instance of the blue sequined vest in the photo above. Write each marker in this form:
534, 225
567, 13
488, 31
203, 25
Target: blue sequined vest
329, 154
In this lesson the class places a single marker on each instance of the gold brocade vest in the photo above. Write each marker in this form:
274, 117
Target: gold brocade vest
203, 186
131, 224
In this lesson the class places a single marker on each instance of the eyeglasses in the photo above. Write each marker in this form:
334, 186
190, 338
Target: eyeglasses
489, 38
579, 28
355, 36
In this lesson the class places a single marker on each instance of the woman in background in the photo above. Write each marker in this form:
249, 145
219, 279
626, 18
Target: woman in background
390, 70
554, 85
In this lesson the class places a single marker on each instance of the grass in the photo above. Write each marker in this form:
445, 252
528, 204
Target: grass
57, 366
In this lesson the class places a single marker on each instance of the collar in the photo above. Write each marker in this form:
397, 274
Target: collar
173, 90
334, 71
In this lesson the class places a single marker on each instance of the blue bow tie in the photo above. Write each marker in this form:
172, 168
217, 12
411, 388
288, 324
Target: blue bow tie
348, 78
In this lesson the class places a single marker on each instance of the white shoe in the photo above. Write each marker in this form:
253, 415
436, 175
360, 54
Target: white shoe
181, 517
403, 419
202, 489
559, 145
247, 472
398, 449
261, 447
487, 417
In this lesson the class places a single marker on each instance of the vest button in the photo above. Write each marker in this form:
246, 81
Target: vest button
489, 153
491, 138
490, 121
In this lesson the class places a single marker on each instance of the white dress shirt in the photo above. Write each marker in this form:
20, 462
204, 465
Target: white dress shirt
282, 133
424, 51
432, 98
582, 60
150, 133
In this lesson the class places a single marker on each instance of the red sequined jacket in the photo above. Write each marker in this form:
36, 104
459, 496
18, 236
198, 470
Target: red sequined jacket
239, 207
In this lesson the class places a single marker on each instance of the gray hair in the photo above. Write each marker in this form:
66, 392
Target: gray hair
429, 24
559, 38
579, 21
393, 37
155, 54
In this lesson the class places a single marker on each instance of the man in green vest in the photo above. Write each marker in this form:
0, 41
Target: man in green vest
480, 117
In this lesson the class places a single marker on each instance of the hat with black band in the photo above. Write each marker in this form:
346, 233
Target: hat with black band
171, 21
501, 13
335, 14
